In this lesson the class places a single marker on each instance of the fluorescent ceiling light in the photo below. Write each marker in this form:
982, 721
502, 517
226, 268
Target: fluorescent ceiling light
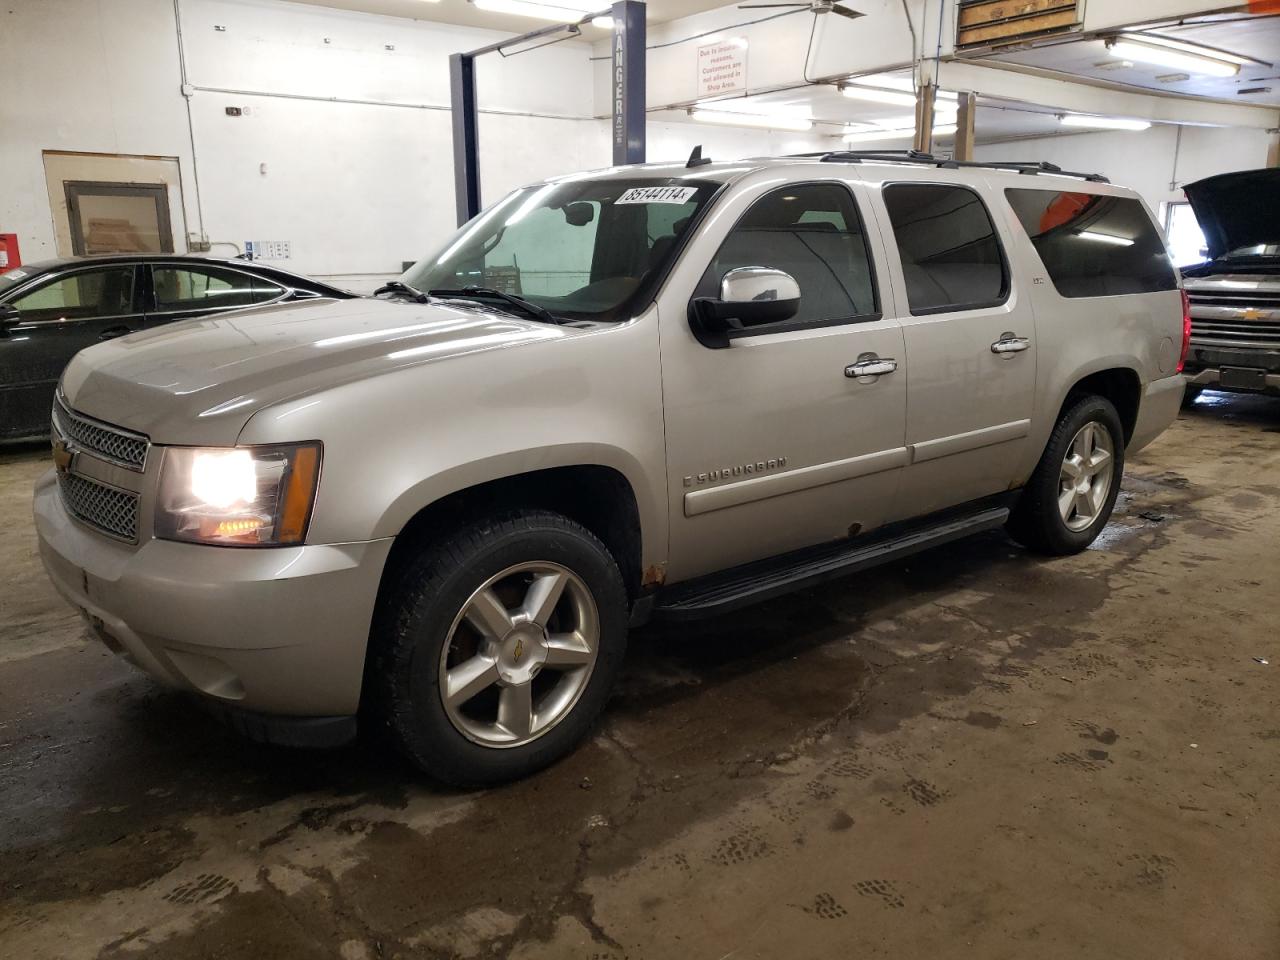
902, 133
604, 23
892, 90
563, 10
1144, 51
1185, 46
904, 84
872, 95
1102, 123
1105, 238
943, 113
773, 122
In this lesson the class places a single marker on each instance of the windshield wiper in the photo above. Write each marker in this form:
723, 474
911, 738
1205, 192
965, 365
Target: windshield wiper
488, 293
397, 286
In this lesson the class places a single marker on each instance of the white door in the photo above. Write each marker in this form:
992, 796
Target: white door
770, 445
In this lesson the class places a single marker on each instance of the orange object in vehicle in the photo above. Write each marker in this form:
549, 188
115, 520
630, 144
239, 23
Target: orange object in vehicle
1063, 209
9, 256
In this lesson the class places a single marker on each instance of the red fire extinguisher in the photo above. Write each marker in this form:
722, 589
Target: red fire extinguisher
10, 259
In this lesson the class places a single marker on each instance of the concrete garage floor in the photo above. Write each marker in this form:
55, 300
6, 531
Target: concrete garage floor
973, 753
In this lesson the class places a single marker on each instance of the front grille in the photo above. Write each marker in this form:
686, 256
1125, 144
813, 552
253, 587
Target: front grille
106, 508
1235, 311
124, 447
1235, 333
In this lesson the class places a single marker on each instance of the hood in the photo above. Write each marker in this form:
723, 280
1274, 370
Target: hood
1237, 209
199, 381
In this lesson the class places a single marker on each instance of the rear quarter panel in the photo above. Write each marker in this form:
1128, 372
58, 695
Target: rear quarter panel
1079, 336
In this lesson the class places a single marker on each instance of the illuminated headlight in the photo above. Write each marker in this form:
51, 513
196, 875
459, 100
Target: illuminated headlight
237, 496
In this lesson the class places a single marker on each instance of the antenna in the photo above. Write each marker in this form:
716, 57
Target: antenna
696, 159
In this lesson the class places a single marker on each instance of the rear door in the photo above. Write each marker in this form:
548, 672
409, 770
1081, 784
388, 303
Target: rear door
57, 318
970, 341
179, 290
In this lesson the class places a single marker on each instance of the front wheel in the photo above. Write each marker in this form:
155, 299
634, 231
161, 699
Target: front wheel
496, 649
1070, 496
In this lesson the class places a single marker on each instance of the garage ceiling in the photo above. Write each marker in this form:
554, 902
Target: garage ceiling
831, 110
461, 12
1257, 37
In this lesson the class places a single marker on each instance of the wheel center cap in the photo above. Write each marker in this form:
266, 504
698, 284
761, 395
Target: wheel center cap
521, 653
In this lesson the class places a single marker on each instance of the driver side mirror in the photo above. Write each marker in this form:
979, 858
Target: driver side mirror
9, 317
749, 297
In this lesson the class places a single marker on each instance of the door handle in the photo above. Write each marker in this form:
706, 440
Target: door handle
1010, 343
869, 365
112, 332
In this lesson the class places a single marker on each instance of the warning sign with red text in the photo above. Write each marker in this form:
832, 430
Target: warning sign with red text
722, 68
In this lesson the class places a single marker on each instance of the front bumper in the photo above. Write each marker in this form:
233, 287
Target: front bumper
1211, 377
270, 631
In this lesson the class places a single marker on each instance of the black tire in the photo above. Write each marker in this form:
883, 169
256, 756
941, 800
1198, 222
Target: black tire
1036, 521
417, 610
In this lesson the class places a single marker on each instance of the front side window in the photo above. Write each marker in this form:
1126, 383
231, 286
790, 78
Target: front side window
1093, 245
951, 257
813, 232
80, 296
583, 249
207, 288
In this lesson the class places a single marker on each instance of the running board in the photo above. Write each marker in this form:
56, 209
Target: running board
751, 583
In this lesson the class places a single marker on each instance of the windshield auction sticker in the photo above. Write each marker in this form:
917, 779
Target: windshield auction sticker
657, 195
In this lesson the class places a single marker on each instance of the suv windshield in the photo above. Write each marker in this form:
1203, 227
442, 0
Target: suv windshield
582, 249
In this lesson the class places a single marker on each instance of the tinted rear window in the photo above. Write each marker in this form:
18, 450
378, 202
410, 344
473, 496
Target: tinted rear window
1092, 245
951, 258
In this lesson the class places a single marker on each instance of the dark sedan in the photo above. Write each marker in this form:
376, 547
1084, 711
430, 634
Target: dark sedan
51, 310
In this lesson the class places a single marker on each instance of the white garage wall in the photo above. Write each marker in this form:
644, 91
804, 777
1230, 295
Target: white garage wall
1156, 162
356, 188
84, 76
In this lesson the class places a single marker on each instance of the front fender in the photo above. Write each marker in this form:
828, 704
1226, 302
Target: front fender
398, 442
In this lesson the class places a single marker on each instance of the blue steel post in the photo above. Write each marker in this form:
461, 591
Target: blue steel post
466, 145
628, 81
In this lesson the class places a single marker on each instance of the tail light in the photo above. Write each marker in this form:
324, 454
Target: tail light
1186, 331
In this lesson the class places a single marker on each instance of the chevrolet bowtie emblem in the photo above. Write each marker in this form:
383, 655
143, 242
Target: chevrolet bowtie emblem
62, 456
518, 652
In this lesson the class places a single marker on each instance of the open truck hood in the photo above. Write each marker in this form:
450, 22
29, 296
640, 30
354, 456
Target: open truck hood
1237, 209
199, 381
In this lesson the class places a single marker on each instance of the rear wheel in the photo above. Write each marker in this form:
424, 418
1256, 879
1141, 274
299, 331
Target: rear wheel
1071, 494
496, 649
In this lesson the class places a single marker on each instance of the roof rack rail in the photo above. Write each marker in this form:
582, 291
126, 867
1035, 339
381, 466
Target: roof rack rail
928, 159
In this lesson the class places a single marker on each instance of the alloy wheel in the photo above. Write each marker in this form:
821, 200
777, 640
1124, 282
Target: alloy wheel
519, 654
1087, 473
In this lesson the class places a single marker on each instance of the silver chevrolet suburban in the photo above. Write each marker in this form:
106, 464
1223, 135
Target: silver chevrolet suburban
658, 391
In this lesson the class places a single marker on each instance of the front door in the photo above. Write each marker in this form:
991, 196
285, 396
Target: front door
970, 339
55, 320
771, 446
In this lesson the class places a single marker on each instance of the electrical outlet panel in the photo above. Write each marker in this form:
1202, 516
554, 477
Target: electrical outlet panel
268, 249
